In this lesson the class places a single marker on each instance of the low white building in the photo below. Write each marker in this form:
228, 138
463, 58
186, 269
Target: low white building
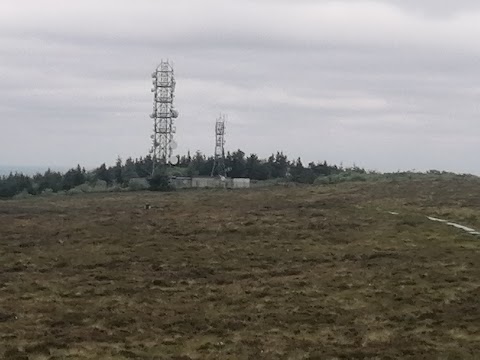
209, 182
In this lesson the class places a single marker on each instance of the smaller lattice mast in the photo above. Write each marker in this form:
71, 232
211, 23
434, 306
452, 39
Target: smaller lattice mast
219, 158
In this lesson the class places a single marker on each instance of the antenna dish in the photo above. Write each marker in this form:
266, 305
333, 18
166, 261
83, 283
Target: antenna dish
174, 114
173, 160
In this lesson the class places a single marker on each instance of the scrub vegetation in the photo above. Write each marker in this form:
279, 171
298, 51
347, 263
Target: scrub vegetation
136, 175
284, 272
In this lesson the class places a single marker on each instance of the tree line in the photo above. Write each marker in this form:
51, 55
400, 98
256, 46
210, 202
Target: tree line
237, 165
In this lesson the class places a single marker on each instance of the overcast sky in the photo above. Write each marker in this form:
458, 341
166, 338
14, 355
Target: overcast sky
387, 85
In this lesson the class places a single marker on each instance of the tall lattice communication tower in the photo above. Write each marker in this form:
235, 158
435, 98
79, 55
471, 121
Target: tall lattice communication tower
219, 163
163, 115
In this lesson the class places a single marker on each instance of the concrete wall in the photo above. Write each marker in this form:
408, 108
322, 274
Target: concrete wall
181, 182
201, 182
241, 183
207, 182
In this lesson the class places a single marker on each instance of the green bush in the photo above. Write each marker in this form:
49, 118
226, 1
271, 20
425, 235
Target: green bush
99, 186
344, 177
23, 195
82, 188
115, 188
160, 182
74, 191
48, 192
138, 184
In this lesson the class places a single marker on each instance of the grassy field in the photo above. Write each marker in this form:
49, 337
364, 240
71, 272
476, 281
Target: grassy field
319, 272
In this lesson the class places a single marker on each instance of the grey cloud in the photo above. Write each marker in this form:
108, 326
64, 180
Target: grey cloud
387, 84
429, 8
438, 7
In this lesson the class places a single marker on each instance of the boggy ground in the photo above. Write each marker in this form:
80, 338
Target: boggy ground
277, 273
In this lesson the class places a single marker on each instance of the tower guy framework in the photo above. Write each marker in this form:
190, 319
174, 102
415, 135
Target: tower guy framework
219, 163
163, 115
